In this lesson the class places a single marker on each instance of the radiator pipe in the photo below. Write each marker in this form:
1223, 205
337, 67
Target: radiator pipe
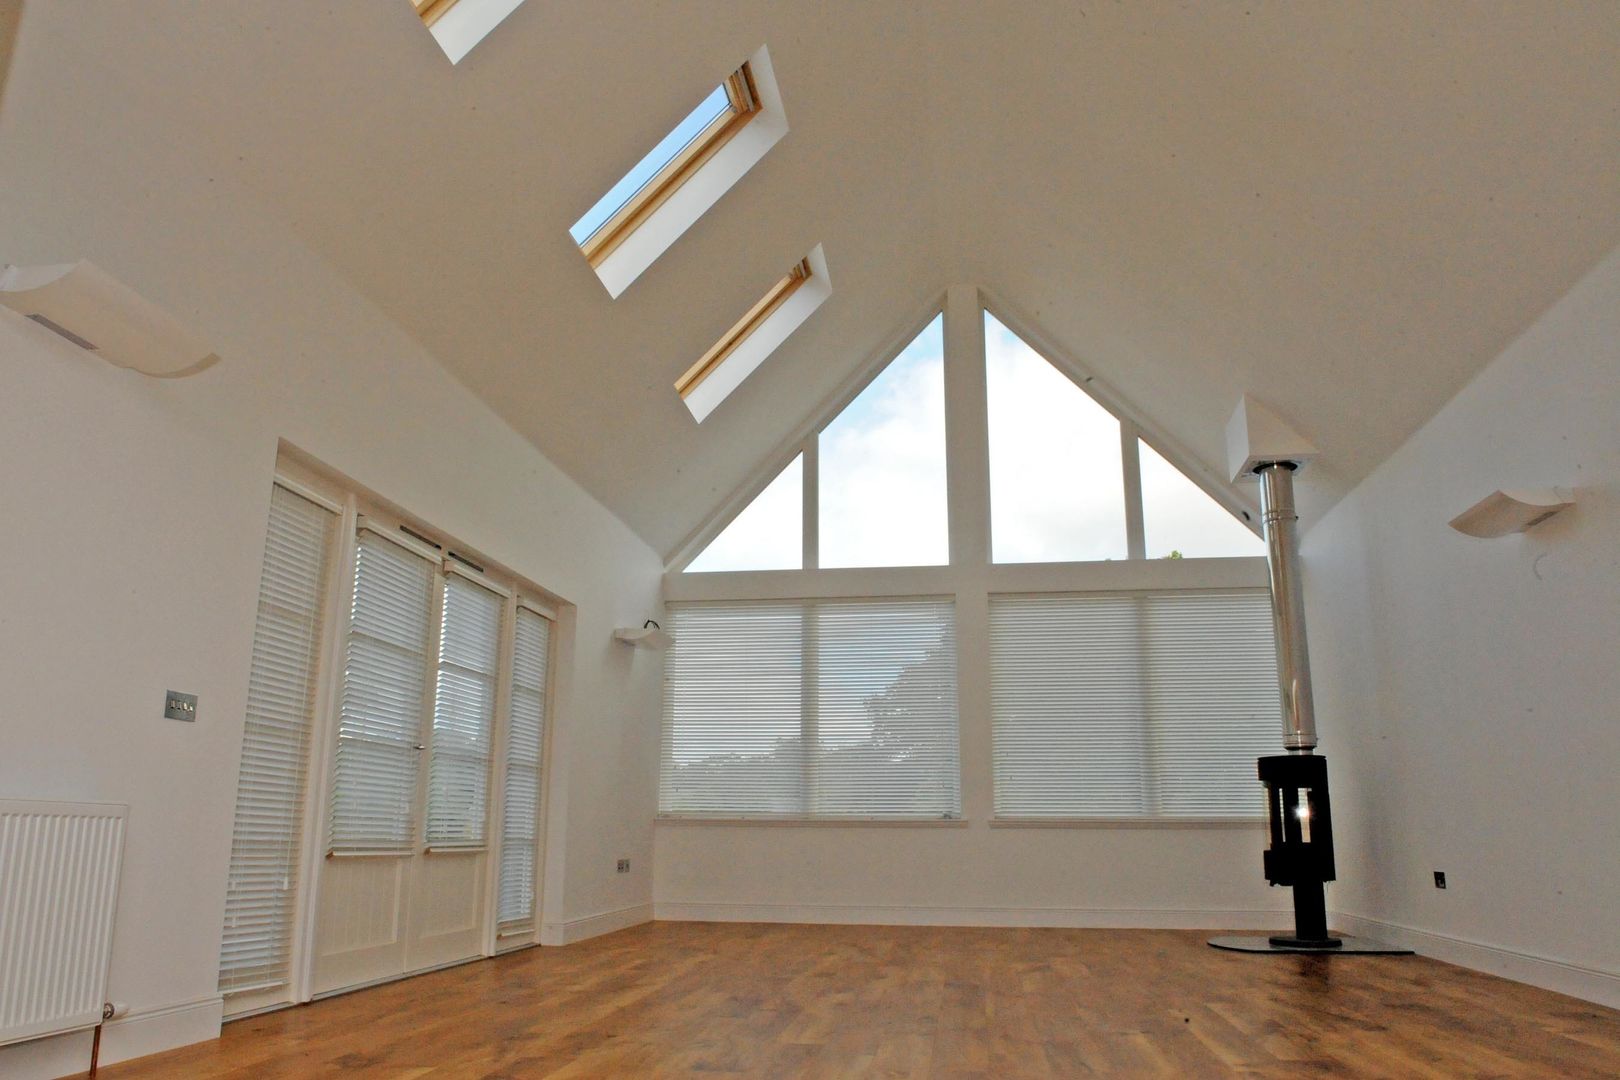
1287, 604
108, 1011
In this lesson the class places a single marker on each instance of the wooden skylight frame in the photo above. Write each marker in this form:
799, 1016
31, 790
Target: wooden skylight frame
763, 309
743, 105
430, 11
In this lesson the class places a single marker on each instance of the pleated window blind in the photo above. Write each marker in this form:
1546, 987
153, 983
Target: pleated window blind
525, 739
463, 713
384, 699
819, 709
261, 888
1132, 705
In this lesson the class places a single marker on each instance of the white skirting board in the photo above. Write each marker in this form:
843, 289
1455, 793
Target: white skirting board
1589, 984
572, 930
918, 915
143, 1031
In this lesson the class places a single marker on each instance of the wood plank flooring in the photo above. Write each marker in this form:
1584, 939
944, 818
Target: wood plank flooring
748, 1000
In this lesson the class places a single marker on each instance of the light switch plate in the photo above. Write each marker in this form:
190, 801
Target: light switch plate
178, 706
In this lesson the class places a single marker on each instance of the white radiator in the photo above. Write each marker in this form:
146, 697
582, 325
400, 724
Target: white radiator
59, 866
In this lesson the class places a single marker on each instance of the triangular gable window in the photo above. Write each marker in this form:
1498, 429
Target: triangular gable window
1070, 479
1181, 520
1055, 491
882, 465
768, 534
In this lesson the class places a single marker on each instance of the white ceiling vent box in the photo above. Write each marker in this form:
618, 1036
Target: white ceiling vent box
1257, 436
100, 314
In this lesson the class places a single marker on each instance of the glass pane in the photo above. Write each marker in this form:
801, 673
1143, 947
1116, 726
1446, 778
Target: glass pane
732, 738
1056, 482
713, 107
1180, 519
882, 491
768, 535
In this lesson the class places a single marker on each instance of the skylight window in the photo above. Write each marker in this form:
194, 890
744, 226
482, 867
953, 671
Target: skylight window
752, 338
664, 194
674, 161
458, 25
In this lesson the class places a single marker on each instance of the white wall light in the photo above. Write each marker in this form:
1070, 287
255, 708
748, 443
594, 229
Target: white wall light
97, 312
648, 636
1502, 513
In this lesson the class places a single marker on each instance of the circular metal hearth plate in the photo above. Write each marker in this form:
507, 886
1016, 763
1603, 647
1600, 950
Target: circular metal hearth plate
1261, 944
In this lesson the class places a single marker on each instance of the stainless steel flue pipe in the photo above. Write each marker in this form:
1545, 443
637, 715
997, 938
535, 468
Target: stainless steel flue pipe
1288, 605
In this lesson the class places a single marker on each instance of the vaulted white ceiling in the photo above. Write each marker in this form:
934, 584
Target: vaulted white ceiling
1345, 209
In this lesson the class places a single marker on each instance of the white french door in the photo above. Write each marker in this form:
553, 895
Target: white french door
403, 885
397, 718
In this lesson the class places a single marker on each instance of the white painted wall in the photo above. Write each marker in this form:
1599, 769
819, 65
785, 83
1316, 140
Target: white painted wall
1470, 689
132, 514
974, 875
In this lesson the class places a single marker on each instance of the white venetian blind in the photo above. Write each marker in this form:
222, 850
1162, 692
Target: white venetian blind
833, 709
525, 738
384, 698
1132, 705
260, 890
463, 713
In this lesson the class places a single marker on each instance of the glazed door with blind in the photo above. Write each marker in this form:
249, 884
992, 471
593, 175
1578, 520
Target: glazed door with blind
522, 765
255, 963
402, 887
447, 902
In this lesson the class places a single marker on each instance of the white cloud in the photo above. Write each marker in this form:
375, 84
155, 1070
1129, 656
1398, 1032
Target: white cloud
1056, 489
1178, 516
883, 466
768, 534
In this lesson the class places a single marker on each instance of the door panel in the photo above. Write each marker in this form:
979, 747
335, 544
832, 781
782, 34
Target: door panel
447, 908
360, 921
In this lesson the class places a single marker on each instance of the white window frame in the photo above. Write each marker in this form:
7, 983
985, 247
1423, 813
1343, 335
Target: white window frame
970, 576
809, 718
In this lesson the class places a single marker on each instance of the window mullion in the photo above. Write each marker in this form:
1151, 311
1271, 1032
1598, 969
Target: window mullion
809, 707
810, 495
1131, 476
967, 428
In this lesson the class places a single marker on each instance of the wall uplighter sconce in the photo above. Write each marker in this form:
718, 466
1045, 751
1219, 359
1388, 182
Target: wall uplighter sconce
649, 636
95, 311
1502, 513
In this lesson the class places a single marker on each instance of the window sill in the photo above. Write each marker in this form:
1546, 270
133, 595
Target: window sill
813, 822
1257, 822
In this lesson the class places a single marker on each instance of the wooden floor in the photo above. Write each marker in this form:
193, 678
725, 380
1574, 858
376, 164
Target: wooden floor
731, 1000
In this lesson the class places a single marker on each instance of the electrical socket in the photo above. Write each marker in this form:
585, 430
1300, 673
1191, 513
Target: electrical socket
1439, 879
624, 866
